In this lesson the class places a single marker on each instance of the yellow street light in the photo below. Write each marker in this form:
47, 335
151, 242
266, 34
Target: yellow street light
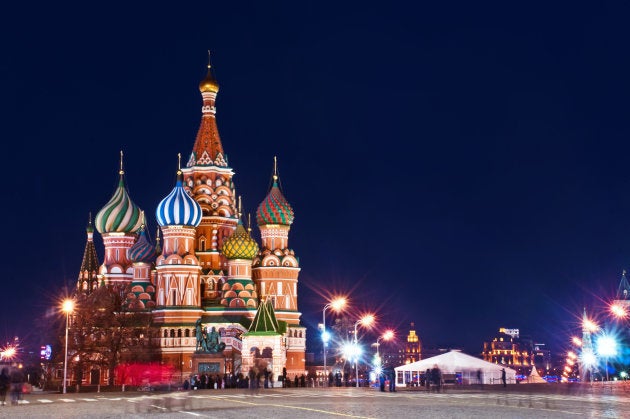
337, 304
67, 307
366, 321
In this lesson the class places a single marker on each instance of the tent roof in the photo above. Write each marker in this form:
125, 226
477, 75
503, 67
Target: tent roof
534, 377
452, 361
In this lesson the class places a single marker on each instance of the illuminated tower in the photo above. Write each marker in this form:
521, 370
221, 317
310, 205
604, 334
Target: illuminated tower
622, 298
588, 354
142, 254
239, 291
208, 178
88, 276
413, 348
276, 268
178, 298
118, 221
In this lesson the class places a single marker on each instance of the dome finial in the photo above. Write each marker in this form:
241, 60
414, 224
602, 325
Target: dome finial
275, 169
122, 172
179, 163
209, 84
240, 207
144, 220
249, 222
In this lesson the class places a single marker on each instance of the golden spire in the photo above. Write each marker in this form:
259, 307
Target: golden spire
179, 163
240, 207
209, 84
249, 222
144, 220
122, 172
275, 169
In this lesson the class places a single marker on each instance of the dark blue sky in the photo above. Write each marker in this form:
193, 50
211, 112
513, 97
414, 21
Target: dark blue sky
462, 166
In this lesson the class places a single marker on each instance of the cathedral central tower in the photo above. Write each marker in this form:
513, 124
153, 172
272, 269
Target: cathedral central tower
208, 178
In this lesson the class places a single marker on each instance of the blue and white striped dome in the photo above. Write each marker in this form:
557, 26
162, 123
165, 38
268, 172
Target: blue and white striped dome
178, 208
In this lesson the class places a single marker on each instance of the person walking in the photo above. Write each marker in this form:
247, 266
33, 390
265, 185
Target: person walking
5, 382
503, 380
392, 381
17, 381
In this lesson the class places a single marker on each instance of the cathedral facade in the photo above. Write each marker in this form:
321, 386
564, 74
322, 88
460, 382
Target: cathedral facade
204, 269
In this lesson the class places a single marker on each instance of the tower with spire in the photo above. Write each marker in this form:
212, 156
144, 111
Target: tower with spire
88, 275
587, 356
208, 179
118, 222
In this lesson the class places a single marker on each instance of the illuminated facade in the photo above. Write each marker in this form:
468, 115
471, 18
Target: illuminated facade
412, 350
511, 350
207, 266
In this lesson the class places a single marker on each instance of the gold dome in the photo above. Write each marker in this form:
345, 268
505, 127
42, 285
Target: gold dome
240, 245
209, 84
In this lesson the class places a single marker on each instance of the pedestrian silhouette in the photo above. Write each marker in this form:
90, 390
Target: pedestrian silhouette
503, 377
5, 382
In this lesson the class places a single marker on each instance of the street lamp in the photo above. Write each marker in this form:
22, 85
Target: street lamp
67, 307
366, 321
337, 304
606, 347
388, 335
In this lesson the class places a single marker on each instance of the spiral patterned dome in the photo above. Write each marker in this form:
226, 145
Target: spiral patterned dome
274, 209
142, 250
120, 214
240, 245
178, 208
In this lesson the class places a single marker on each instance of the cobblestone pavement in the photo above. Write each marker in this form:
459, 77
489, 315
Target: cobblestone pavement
519, 402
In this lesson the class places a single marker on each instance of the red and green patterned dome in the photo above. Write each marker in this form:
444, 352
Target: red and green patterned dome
274, 209
240, 245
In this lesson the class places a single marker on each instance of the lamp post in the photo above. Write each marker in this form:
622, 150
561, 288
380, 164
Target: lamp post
67, 307
337, 304
388, 335
606, 347
366, 321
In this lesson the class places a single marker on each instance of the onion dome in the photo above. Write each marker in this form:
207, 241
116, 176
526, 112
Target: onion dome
178, 208
274, 209
240, 245
120, 214
142, 250
209, 84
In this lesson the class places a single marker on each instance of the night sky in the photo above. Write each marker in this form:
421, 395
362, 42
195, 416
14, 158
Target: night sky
460, 166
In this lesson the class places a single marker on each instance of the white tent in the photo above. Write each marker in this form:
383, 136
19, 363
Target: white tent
534, 377
455, 364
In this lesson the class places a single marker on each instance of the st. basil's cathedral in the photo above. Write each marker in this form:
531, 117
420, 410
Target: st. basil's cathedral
206, 269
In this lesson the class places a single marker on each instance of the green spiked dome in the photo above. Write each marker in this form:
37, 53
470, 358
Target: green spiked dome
240, 245
120, 214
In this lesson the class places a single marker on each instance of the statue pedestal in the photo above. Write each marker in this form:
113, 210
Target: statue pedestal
209, 364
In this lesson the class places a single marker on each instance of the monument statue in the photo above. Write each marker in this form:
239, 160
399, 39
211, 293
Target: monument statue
207, 342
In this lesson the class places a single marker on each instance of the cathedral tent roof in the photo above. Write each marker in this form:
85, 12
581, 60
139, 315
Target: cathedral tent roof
265, 321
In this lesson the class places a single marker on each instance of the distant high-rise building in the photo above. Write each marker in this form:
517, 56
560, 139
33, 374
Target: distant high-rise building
412, 350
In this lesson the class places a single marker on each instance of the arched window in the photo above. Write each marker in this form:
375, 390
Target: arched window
172, 333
